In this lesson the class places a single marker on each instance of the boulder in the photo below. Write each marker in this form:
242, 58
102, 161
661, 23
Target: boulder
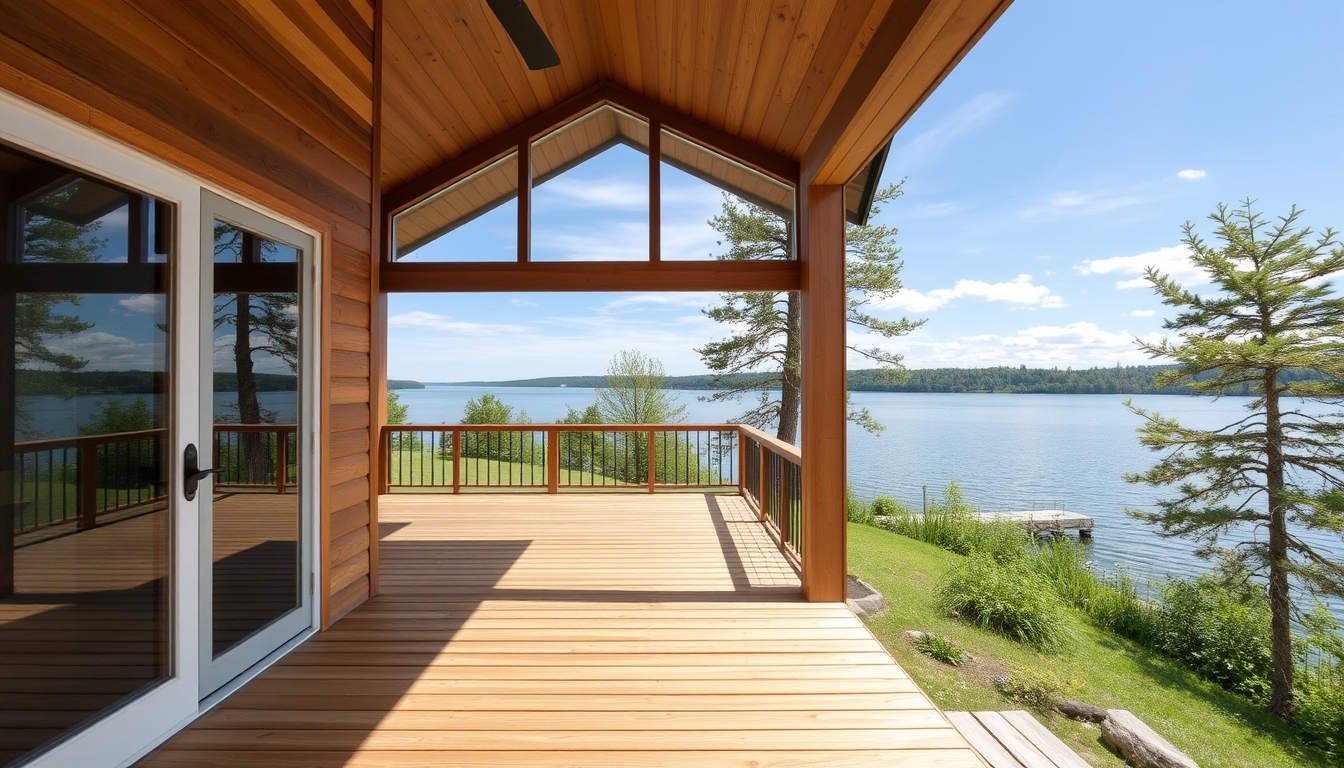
862, 599
911, 635
1081, 711
1141, 745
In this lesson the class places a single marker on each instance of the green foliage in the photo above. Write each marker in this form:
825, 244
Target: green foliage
1219, 630
116, 416
940, 648
1037, 689
397, 412
951, 523
1111, 603
1008, 598
1320, 707
634, 393
856, 511
488, 409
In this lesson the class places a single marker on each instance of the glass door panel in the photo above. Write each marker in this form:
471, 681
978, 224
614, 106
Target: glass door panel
255, 587
85, 416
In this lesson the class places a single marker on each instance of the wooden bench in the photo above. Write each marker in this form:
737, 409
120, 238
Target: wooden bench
1014, 740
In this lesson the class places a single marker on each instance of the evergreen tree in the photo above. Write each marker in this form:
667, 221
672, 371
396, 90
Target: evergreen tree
1264, 479
767, 335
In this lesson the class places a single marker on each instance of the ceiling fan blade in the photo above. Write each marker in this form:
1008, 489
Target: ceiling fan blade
527, 35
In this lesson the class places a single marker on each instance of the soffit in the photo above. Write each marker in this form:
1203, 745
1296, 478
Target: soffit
766, 72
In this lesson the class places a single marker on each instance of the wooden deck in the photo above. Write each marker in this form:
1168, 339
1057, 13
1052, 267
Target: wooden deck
1014, 739
582, 630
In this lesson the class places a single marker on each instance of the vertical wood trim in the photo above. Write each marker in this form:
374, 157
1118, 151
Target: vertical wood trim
823, 412
378, 302
525, 200
655, 190
323, 433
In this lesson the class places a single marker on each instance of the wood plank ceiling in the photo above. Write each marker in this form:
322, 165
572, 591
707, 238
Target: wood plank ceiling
766, 71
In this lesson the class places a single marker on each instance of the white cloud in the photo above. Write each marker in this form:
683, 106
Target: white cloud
1018, 291
930, 144
666, 300
431, 321
145, 303
1075, 203
1173, 260
1143, 313
522, 303
1191, 174
1077, 345
605, 194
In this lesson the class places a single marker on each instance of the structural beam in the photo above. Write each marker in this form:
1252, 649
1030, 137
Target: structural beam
915, 46
562, 276
823, 413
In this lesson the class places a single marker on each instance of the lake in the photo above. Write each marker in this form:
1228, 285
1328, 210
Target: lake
1008, 452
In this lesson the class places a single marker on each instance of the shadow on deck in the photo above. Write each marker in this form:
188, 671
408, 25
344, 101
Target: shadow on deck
586, 630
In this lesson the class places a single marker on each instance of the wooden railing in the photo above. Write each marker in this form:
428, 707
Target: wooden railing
80, 479
632, 457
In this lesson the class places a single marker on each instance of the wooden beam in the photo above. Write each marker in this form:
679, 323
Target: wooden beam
751, 155
915, 46
566, 276
823, 412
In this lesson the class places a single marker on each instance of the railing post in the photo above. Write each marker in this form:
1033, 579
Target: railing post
281, 460
457, 460
762, 482
741, 462
652, 455
552, 460
88, 484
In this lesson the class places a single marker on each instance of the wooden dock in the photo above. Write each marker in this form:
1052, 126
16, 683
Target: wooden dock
1053, 521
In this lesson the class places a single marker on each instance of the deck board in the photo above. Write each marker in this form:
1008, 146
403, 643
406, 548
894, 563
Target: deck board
579, 630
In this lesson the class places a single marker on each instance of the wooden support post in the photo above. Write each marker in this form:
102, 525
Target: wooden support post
822, 251
281, 460
552, 460
88, 484
457, 460
653, 452
525, 201
655, 190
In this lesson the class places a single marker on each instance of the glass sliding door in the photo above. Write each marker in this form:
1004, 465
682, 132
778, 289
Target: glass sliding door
256, 518
86, 442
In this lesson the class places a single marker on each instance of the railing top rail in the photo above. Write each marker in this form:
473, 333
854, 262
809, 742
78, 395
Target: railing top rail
779, 447
560, 427
55, 443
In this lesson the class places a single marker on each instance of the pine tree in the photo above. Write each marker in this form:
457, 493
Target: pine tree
768, 338
1264, 479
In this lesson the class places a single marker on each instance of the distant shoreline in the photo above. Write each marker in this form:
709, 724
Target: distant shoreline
1120, 380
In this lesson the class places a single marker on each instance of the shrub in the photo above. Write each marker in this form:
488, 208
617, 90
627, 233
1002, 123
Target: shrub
856, 510
1112, 603
1038, 690
1220, 629
889, 507
1320, 707
1010, 599
940, 648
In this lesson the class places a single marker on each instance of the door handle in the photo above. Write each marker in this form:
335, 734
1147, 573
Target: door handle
192, 474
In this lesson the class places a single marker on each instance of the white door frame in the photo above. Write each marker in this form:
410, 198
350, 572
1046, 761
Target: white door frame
137, 726
217, 672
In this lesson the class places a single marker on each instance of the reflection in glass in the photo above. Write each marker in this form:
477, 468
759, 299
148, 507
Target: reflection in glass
84, 546
256, 571
590, 199
475, 219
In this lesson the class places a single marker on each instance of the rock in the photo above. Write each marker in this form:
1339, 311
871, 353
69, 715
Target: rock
911, 635
862, 598
1141, 745
1081, 711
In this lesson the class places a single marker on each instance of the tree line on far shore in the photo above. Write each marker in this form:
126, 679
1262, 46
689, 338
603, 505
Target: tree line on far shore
1119, 380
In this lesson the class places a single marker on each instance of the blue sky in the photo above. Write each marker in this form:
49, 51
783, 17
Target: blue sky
1056, 161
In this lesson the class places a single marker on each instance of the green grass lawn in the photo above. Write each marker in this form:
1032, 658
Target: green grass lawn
421, 475
1214, 727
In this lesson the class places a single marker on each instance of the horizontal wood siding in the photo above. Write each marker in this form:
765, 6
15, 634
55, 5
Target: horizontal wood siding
272, 100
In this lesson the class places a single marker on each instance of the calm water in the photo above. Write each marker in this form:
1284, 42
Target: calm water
1007, 452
